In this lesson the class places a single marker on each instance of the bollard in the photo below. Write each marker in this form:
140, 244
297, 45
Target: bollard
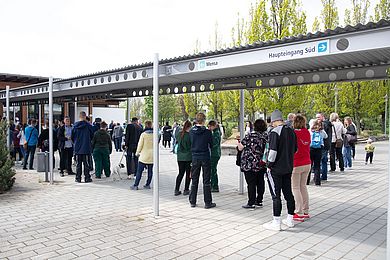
46, 167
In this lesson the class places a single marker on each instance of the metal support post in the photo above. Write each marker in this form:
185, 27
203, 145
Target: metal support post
386, 112
336, 98
14, 110
7, 115
388, 202
128, 111
51, 150
241, 128
76, 116
40, 118
47, 167
156, 202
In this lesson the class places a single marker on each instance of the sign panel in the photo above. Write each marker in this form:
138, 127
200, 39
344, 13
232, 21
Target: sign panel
288, 52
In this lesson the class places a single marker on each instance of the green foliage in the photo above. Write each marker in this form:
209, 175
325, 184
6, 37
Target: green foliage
7, 173
382, 10
168, 108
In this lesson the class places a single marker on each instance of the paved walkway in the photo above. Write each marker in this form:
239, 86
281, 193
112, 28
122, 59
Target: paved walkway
104, 219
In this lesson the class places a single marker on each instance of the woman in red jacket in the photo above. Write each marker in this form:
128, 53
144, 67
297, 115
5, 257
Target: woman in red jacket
302, 165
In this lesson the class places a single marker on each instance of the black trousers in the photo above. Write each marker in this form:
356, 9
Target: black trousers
82, 160
369, 155
336, 153
315, 157
277, 185
255, 184
184, 167
131, 161
197, 165
166, 142
66, 156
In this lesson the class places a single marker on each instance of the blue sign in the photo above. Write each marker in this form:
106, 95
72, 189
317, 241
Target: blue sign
202, 64
322, 46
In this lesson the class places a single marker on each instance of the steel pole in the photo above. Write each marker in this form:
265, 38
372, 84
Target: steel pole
156, 202
51, 150
388, 201
128, 110
40, 118
7, 115
386, 111
241, 128
76, 116
336, 97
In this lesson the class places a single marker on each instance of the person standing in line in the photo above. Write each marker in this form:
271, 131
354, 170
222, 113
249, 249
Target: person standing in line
102, 148
31, 135
252, 165
184, 158
22, 140
290, 119
338, 132
316, 146
248, 127
118, 136
65, 145
167, 134
111, 128
302, 168
82, 135
201, 144
282, 147
353, 144
215, 154
349, 139
16, 143
145, 153
43, 141
175, 129
132, 136
327, 127
369, 148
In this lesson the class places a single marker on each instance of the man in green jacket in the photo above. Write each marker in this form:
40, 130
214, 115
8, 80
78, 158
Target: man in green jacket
215, 154
102, 148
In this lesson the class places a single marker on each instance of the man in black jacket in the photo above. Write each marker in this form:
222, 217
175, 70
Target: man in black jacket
201, 144
132, 135
327, 127
282, 147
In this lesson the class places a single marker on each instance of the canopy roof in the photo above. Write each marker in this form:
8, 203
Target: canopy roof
352, 53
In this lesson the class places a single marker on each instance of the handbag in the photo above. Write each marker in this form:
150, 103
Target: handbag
25, 145
339, 142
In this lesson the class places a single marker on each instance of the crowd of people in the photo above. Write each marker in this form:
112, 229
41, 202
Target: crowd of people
289, 154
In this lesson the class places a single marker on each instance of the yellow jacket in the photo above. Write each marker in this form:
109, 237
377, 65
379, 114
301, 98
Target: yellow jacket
369, 148
145, 147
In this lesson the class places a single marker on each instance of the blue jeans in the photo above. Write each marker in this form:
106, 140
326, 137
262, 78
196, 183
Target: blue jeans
140, 169
324, 165
347, 154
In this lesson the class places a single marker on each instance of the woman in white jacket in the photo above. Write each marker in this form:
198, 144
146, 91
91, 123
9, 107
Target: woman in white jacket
336, 148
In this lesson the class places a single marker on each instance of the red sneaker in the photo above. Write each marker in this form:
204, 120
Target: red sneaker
306, 216
298, 218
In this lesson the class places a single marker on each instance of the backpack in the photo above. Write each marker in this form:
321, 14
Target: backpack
316, 140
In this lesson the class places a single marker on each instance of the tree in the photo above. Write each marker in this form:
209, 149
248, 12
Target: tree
329, 14
382, 10
7, 173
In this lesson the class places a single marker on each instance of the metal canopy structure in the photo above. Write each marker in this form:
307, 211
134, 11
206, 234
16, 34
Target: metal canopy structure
342, 54
352, 53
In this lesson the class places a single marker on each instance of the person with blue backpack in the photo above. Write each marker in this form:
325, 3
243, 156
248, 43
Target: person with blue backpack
316, 145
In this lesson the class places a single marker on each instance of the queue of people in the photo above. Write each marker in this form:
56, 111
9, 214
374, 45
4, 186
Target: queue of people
285, 153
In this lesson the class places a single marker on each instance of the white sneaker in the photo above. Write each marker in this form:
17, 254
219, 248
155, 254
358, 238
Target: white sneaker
289, 221
273, 225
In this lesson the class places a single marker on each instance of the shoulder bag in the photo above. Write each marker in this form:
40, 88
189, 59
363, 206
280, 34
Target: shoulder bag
339, 142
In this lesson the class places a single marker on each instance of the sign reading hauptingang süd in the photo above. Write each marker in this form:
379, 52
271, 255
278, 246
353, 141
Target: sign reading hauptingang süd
297, 51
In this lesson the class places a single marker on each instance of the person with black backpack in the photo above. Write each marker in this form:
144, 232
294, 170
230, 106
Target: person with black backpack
316, 145
252, 164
